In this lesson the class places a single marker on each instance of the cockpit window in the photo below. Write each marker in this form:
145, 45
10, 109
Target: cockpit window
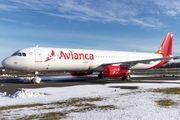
18, 54
24, 54
14, 54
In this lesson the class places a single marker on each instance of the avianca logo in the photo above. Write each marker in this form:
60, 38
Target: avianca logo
76, 56
71, 55
50, 57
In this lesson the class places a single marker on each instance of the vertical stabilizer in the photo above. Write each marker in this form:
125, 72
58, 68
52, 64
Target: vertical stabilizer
166, 46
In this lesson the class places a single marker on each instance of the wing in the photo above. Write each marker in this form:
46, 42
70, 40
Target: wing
134, 62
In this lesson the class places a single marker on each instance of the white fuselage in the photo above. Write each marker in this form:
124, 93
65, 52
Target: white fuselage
60, 59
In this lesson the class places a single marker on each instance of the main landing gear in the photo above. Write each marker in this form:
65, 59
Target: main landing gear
100, 76
128, 77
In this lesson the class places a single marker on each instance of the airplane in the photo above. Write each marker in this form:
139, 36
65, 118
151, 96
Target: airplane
80, 62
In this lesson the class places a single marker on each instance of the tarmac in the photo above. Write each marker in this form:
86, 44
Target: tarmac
11, 85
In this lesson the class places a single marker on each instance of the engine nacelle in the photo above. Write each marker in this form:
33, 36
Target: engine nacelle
80, 73
115, 71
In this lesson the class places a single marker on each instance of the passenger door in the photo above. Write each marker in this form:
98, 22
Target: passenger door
38, 55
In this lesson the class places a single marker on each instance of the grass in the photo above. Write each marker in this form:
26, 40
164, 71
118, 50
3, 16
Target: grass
168, 90
69, 106
77, 101
45, 116
20, 106
62, 115
167, 102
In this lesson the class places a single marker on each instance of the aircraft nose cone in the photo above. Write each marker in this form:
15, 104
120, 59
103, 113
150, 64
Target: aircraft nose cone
5, 63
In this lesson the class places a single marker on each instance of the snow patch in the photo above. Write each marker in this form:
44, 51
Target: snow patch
3, 94
132, 104
22, 93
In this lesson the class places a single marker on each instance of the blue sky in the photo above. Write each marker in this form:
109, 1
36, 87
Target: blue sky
133, 25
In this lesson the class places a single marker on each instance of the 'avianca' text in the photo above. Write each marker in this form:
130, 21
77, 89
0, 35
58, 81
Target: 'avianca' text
76, 56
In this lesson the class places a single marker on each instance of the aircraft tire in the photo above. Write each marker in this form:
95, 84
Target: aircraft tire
128, 77
100, 76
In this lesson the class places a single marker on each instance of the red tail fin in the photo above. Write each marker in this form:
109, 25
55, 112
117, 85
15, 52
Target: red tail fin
166, 46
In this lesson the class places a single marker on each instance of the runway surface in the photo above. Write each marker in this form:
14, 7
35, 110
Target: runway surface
11, 85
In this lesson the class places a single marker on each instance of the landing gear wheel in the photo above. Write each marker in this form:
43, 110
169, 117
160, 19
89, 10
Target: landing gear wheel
100, 76
123, 78
128, 78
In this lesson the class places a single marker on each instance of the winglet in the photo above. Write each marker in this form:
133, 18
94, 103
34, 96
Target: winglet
166, 46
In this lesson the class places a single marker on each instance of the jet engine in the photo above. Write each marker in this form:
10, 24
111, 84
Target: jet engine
115, 71
80, 73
